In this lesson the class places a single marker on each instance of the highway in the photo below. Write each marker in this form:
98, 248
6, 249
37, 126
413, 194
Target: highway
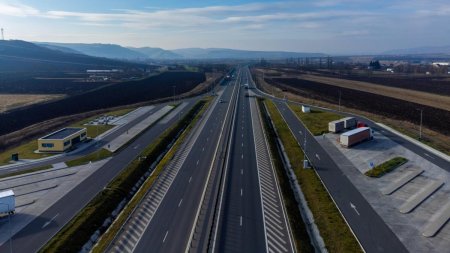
252, 217
167, 215
32, 237
370, 229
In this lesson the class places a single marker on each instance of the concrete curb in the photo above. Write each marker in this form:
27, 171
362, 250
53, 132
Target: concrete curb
418, 143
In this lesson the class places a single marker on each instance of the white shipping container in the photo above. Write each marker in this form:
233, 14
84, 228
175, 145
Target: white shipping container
349, 122
7, 202
355, 136
336, 126
306, 109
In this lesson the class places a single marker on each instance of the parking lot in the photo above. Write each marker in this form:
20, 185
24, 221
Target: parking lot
414, 199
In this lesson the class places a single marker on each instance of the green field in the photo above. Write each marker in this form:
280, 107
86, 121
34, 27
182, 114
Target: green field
333, 229
316, 121
386, 167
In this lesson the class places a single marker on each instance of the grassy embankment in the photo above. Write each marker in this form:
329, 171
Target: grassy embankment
78, 231
27, 150
333, 229
108, 236
386, 167
316, 121
300, 234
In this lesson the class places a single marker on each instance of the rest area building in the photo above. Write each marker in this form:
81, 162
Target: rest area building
62, 139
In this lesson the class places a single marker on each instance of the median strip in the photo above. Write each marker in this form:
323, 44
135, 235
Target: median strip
386, 167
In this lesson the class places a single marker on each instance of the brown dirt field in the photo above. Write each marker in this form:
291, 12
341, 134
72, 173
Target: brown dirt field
12, 101
433, 100
432, 138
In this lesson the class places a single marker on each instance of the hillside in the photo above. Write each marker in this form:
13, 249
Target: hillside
420, 50
224, 53
101, 50
156, 53
21, 56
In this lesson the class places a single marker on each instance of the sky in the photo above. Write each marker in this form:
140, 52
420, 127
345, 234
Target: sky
326, 26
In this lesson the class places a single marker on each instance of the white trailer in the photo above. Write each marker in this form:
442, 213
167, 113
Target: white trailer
355, 136
349, 122
306, 109
7, 202
336, 126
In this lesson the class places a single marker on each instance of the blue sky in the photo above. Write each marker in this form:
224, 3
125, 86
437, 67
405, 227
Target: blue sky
329, 26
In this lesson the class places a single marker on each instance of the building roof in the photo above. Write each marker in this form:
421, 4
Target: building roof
6, 193
63, 133
356, 130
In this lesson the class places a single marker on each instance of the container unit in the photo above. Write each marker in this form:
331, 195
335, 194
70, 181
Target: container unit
349, 122
336, 126
355, 136
306, 109
7, 202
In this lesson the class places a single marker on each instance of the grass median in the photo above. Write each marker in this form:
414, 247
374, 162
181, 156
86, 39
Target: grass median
300, 234
386, 167
77, 232
316, 121
92, 157
333, 229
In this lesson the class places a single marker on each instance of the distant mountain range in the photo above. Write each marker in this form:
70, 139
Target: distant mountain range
419, 50
132, 53
21, 56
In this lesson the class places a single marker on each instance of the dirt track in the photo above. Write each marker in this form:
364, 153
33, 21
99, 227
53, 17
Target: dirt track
11, 101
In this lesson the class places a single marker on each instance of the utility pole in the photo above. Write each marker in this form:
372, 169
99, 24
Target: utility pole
340, 93
174, 93
420, 127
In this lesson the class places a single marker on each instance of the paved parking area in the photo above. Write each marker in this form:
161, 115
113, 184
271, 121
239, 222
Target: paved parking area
415, 206
35, 192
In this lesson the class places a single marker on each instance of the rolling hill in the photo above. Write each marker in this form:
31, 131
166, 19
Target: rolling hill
21, 56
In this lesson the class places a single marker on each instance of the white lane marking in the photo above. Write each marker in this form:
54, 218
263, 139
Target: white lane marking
242, 156
50, 221
240, 222
165, 236
207, 139
318, 157
203, 149
242, 144
181, 201
241, 192
198, 161
190, 179
136, 147
354, 208
428, 155
300, 131
242, 135
242, 171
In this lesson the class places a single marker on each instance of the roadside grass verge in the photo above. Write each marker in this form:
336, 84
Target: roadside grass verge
316, 121
78, 231
92, 157
299, 232
333, 229
386, 167
16, 173
25, 151
112, 231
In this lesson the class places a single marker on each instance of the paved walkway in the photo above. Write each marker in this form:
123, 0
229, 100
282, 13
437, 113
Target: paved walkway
124, 138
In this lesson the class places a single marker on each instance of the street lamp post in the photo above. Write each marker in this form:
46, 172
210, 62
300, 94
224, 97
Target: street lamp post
10, 228
420, 127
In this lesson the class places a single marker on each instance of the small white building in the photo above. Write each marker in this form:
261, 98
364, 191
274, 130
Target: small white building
438, 64
306, 109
